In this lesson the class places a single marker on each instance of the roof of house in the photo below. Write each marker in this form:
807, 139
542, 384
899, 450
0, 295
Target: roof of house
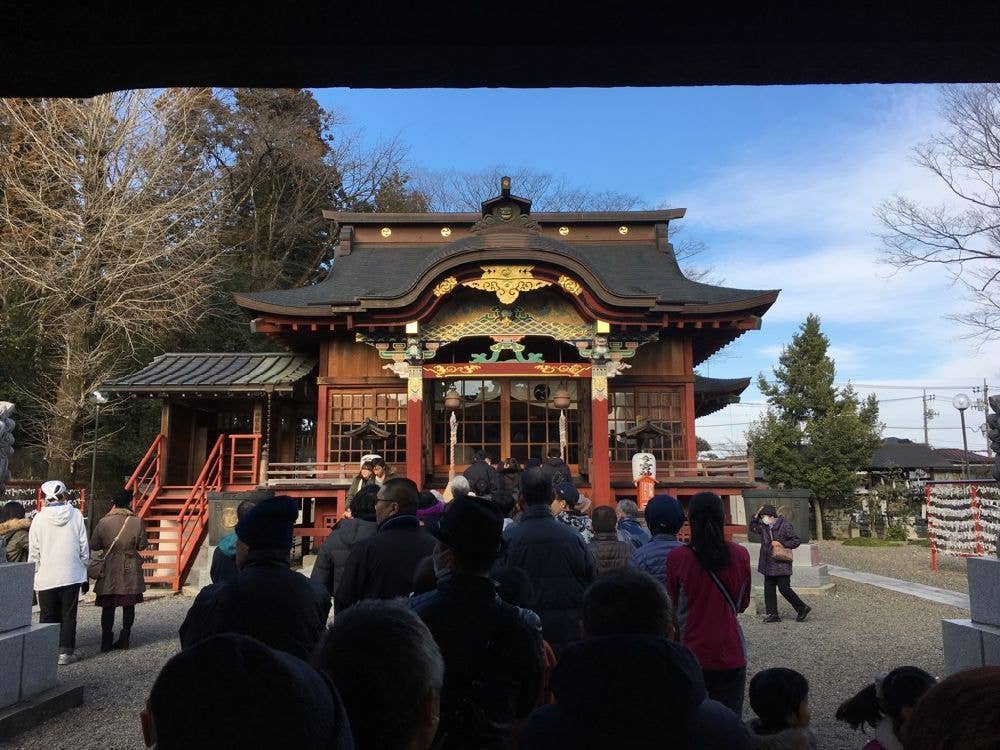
957, 456
901, 453
216, 373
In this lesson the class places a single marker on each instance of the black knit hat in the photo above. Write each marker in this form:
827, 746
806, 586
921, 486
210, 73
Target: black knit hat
470, 525
268, 525
255, 696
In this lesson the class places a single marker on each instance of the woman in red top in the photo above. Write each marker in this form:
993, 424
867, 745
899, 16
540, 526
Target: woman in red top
709, 583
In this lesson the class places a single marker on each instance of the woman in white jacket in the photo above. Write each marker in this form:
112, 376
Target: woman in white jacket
57, 545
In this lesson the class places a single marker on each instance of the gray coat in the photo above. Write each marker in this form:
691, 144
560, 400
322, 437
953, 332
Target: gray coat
781, 531
123, 567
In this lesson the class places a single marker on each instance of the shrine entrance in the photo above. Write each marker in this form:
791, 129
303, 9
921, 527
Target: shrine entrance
509, 418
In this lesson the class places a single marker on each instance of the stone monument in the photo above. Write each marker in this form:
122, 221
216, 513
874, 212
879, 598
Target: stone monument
975, 642
6, 442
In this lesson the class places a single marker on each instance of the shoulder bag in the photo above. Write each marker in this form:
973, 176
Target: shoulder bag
95, 568
780, 552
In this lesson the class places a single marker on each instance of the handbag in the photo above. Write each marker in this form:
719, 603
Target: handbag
780, 552
95, 568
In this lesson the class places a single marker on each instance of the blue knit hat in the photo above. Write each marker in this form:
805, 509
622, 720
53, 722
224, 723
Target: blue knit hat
268, 525
664, 515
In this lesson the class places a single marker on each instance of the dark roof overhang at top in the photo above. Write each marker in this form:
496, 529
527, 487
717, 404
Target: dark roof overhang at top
624, 275
216, 374
712, 394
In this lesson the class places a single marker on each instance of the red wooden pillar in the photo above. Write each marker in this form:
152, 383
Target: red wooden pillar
600, 464
690, 440
415, 425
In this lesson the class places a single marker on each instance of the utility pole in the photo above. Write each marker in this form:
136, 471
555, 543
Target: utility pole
928, 414
984, 405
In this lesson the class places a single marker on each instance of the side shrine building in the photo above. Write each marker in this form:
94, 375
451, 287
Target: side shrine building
436, 335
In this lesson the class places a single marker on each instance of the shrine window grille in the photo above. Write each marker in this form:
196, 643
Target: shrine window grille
663, 407
506, 418
348, 411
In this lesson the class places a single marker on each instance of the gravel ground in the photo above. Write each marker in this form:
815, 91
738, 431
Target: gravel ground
850, 636
908, 562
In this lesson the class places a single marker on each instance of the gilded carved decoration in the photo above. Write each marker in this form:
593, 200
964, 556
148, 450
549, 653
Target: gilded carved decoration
571, 370
507, 282
571, 286
446, 370
537, 315
445, 286
415, 383
599, 383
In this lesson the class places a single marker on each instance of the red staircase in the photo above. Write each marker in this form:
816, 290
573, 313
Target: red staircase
176, 516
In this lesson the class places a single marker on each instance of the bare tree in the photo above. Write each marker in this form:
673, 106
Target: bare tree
107, 239
962, 236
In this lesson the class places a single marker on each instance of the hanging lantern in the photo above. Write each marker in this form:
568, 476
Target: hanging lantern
561, 399
452, 400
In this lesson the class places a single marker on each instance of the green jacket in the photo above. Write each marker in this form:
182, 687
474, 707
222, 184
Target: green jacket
15, 535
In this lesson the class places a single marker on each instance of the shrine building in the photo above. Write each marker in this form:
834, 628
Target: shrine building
516, 332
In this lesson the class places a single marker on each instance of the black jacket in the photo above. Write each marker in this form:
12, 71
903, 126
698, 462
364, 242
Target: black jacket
493, 661
382, 566
336, 548
556, 470
483, 479
632, 691
560, 567
267, 600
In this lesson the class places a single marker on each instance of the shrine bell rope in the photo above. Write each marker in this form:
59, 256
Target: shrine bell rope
962, 519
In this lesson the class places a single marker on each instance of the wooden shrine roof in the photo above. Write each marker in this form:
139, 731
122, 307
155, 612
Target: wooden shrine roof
216, 373
712, 394
373, 275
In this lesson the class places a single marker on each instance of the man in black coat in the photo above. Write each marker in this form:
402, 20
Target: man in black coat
493, 671
556, 470
266, 600
554, 556
382, 566
337, 546
628, 683
483, 478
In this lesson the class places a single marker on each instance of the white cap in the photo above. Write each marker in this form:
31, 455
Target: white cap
53, 490
369, 457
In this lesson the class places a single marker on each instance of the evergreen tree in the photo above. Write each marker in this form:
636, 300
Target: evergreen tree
814, 435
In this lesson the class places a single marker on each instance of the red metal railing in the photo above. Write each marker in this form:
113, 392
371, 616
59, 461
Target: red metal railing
145, 480
244, 458
193, 516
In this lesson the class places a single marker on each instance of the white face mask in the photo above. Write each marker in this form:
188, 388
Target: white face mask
769, 520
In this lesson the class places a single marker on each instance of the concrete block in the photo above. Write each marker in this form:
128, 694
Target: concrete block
40, 661
807, 572
991, 647
27, 715
11, 653
963, 645
984, 590
16, 583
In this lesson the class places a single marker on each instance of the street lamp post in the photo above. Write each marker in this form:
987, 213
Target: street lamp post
97, 398
963, 402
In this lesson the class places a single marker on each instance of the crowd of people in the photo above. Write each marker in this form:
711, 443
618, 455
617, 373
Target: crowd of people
485, 622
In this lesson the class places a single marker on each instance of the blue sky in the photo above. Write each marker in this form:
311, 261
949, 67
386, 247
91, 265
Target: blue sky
779, 182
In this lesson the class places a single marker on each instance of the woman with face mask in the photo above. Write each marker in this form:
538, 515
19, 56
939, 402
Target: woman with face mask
774, 528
